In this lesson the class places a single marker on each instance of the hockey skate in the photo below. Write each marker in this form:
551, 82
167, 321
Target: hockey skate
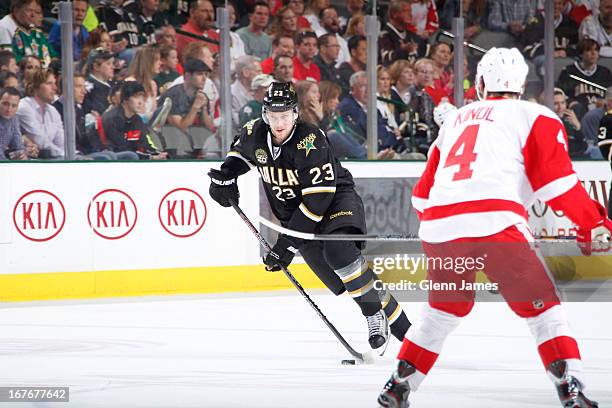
396, 391
568, 387
378, 331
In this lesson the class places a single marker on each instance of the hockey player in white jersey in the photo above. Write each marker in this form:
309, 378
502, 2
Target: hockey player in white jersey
491, 161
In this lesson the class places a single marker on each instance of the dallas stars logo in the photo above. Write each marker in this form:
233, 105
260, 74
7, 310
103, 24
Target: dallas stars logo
307, 143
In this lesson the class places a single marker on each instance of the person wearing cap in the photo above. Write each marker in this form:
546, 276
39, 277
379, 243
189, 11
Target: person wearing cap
100, 71
123, 129
189, 102
252, 109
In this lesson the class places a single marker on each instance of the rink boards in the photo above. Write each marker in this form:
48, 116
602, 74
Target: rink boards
81, 230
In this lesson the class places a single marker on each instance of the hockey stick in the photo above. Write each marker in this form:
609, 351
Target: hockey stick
379, 237
364, 357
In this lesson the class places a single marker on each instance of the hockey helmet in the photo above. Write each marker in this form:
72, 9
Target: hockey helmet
501, 70
279, 97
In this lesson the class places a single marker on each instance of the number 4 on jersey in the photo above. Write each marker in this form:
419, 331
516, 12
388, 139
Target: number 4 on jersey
465, 143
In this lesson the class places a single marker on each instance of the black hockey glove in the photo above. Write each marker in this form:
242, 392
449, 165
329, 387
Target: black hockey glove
282, 253
223, 188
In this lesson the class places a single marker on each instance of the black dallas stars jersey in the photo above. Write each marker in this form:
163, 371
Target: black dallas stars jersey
303, 180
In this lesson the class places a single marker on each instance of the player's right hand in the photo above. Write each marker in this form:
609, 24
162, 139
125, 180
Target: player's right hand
223, 188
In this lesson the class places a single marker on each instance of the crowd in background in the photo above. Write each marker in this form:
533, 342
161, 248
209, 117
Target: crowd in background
132, 56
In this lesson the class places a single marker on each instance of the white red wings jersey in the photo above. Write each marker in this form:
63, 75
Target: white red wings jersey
491, 161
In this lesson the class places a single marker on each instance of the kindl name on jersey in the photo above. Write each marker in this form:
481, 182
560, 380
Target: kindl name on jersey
482, 113
278, 176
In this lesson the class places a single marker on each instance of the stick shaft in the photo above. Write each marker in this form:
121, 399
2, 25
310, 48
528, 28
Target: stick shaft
297, 285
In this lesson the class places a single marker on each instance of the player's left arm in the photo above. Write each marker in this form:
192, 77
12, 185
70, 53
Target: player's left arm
552, 178
317, 173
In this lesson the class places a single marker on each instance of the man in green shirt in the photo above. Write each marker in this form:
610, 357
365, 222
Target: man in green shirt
32, 41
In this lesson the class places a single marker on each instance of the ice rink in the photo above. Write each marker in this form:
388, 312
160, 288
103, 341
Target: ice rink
271, 350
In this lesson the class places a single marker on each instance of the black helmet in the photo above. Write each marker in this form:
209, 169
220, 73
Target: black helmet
280, 97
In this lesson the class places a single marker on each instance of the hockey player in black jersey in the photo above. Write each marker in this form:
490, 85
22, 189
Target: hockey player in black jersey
309, 191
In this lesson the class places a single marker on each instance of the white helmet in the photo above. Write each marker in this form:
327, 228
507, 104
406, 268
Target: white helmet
501, 70
442, 111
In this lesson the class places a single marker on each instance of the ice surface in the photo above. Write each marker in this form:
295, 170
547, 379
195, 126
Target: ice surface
271, 350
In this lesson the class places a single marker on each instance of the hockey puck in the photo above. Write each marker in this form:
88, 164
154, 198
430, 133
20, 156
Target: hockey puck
348, 362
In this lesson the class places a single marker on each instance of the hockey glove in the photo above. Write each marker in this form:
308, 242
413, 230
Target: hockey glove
596, 239
223, 188
282, 253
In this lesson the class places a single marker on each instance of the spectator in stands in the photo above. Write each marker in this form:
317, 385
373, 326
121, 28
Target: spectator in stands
576, 145
442, 56
283, 68
354, 113
298, 8
201, 21
352, 9
247, 68
29, 39
167, 70
237, 45
583, 96
148, 17
566, 37
165, 36
312, 13
145, 65
387, 108
582, 9
511, 16
100, 73
98, 38
199, 50
422, 105
356, 26
394, 41
281, 44
330, 24
327, 58
11, 146
39, 120
345, 145
474, 14
591, 126
122, 28
252, 109
309, 102
189, 102
27, 66
284, 23
8, 62
402, 78
88, 144
80, 34
599, 28
424, 18
9, 80
124, 130
23, 13
304, 67
256, 42
357, 46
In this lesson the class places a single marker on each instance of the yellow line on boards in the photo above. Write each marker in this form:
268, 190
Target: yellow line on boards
170, 281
